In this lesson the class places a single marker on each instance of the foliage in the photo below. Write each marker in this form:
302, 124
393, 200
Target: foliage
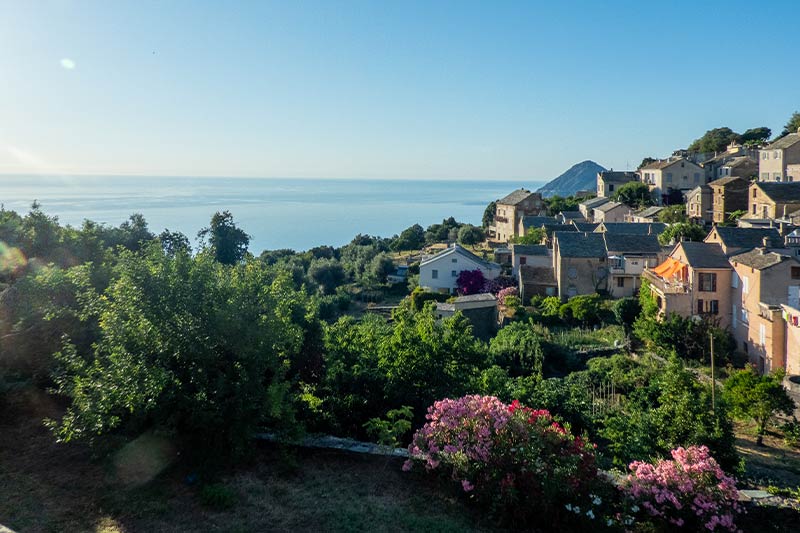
734, 216
389, 430
646, 161
582, 309
532, 236
518, 461
673, 214
174, 242
494, 286
792, 125
470, 282
419, 296
689, 491
226, 242
327, 273
682, 231
626, 310
557, 204
470, 235
756, 135
508, 291
714, 140
690, 334
634, 194
550, 306
518, 349
412, 238
447, 231
758, 397
190, 345
488, 214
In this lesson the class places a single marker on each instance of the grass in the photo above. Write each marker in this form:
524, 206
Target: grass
589, 338
50, 487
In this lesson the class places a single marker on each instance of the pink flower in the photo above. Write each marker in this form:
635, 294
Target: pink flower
466, 485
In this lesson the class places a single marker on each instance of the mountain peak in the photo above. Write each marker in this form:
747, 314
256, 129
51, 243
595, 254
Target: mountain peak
579, 177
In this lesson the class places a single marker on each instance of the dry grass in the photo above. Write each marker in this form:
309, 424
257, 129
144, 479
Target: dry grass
774, 463
47, 487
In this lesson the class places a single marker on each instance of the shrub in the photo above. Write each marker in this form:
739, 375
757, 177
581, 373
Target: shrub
420, 296
690, 491
508, 291
584, 309
497, 284
470, 282
518, 349
517, 460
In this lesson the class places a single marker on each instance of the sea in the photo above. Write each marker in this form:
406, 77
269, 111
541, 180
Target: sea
275, 212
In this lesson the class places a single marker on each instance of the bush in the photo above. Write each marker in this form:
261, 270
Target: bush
470, 282
518, 349
583, 309
217, 496
508, 291
518, 461
419, 296
690, 491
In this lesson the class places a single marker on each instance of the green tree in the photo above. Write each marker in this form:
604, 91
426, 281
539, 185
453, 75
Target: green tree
757, 397
646, 161
626, 310
488, 214
174, 242
226, 242
673, 214
412, 238
518, 349
682, 231
532, 236
715, 140
583, 309
634, 194
327, 273
792, 125
734, 216
471, 235
756, 135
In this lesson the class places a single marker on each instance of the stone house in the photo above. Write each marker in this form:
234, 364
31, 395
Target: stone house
479, 309
551, 229
694, 280
568, 217
510, 210
587, 207
698, 204
674, 174
439, 272
537, 280
628, 256
734, 240
763, 280
728, 194
609, 181
742, 167
774, 158
611, 212
648, 214
793, 172
580, 263
632, 228
530, 254
773, 199
529, 222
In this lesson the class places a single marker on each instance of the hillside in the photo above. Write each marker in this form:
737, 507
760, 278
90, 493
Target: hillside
580, 177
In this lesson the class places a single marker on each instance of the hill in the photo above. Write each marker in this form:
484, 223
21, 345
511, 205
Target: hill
580, 177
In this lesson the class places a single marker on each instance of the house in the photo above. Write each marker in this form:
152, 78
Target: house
580, 264
609, 181
585, 226
648, 214
628, 255
611, 212
537, 280
502, 256
440, 272
720, 165
510, 210
695, 280
698, 204
530, 254
479, 309
526, 223
568, 217
762, 281
791, 320
550, 229
793, 172
774, 158
400, 275
734, 240
728, 194
632, 228
773, 199
671, 175
587, 207
741, 167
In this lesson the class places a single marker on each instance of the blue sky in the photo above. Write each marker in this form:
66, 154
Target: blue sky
478, 90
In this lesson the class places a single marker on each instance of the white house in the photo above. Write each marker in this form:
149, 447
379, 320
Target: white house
440, 272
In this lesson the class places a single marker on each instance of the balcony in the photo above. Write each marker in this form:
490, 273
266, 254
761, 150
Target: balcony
664, 286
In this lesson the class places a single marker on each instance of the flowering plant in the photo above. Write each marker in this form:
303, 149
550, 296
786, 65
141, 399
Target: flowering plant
691, 490
497, 284
508, 291
518, 460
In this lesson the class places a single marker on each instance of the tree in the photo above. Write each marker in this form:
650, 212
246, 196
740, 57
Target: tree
518, 349
412, 238
471, 235
533, 236
226, 242
758, 397
626, 310
488, 214
734, 216
470, 282
634, 194
756, 135
715, 140
646, 161
174, 242
792, 125
380, 267
673, 214
327, 273
556, 204
583, 309
682, 231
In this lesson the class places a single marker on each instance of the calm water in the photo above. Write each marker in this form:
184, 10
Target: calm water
277, 213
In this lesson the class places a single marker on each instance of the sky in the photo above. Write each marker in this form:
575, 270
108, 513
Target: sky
383, 89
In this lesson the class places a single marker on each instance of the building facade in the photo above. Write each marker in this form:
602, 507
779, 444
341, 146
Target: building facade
774, 158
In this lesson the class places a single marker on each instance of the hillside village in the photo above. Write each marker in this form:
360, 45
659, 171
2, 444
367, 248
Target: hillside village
713, 235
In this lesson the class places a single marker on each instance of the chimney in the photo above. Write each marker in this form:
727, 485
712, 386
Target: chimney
764, 243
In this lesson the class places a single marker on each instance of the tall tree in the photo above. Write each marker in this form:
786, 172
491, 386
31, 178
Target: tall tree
758, 397
715, 140
793, 125
756, 135
634, 194
488, 214
226, 241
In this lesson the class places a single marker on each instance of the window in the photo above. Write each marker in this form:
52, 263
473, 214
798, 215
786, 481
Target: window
777, 176
434, 274
744, 315
755, 191
454, 260
754, 209
796, 272
572, 272
700, 309
762, 334
669, 177
735, 316
745, 285
621, 282
777, 154
523, 260
708, 282
713, 307
454, 273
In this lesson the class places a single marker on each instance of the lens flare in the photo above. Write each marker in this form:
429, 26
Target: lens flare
11, 259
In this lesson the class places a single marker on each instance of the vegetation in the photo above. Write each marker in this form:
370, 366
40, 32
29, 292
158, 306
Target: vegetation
758, 397
673, 214
634, 194
470, 235
682, 231
792, 125
488, 214
532, 236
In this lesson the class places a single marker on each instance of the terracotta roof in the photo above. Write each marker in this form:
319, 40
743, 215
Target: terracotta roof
515, 197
